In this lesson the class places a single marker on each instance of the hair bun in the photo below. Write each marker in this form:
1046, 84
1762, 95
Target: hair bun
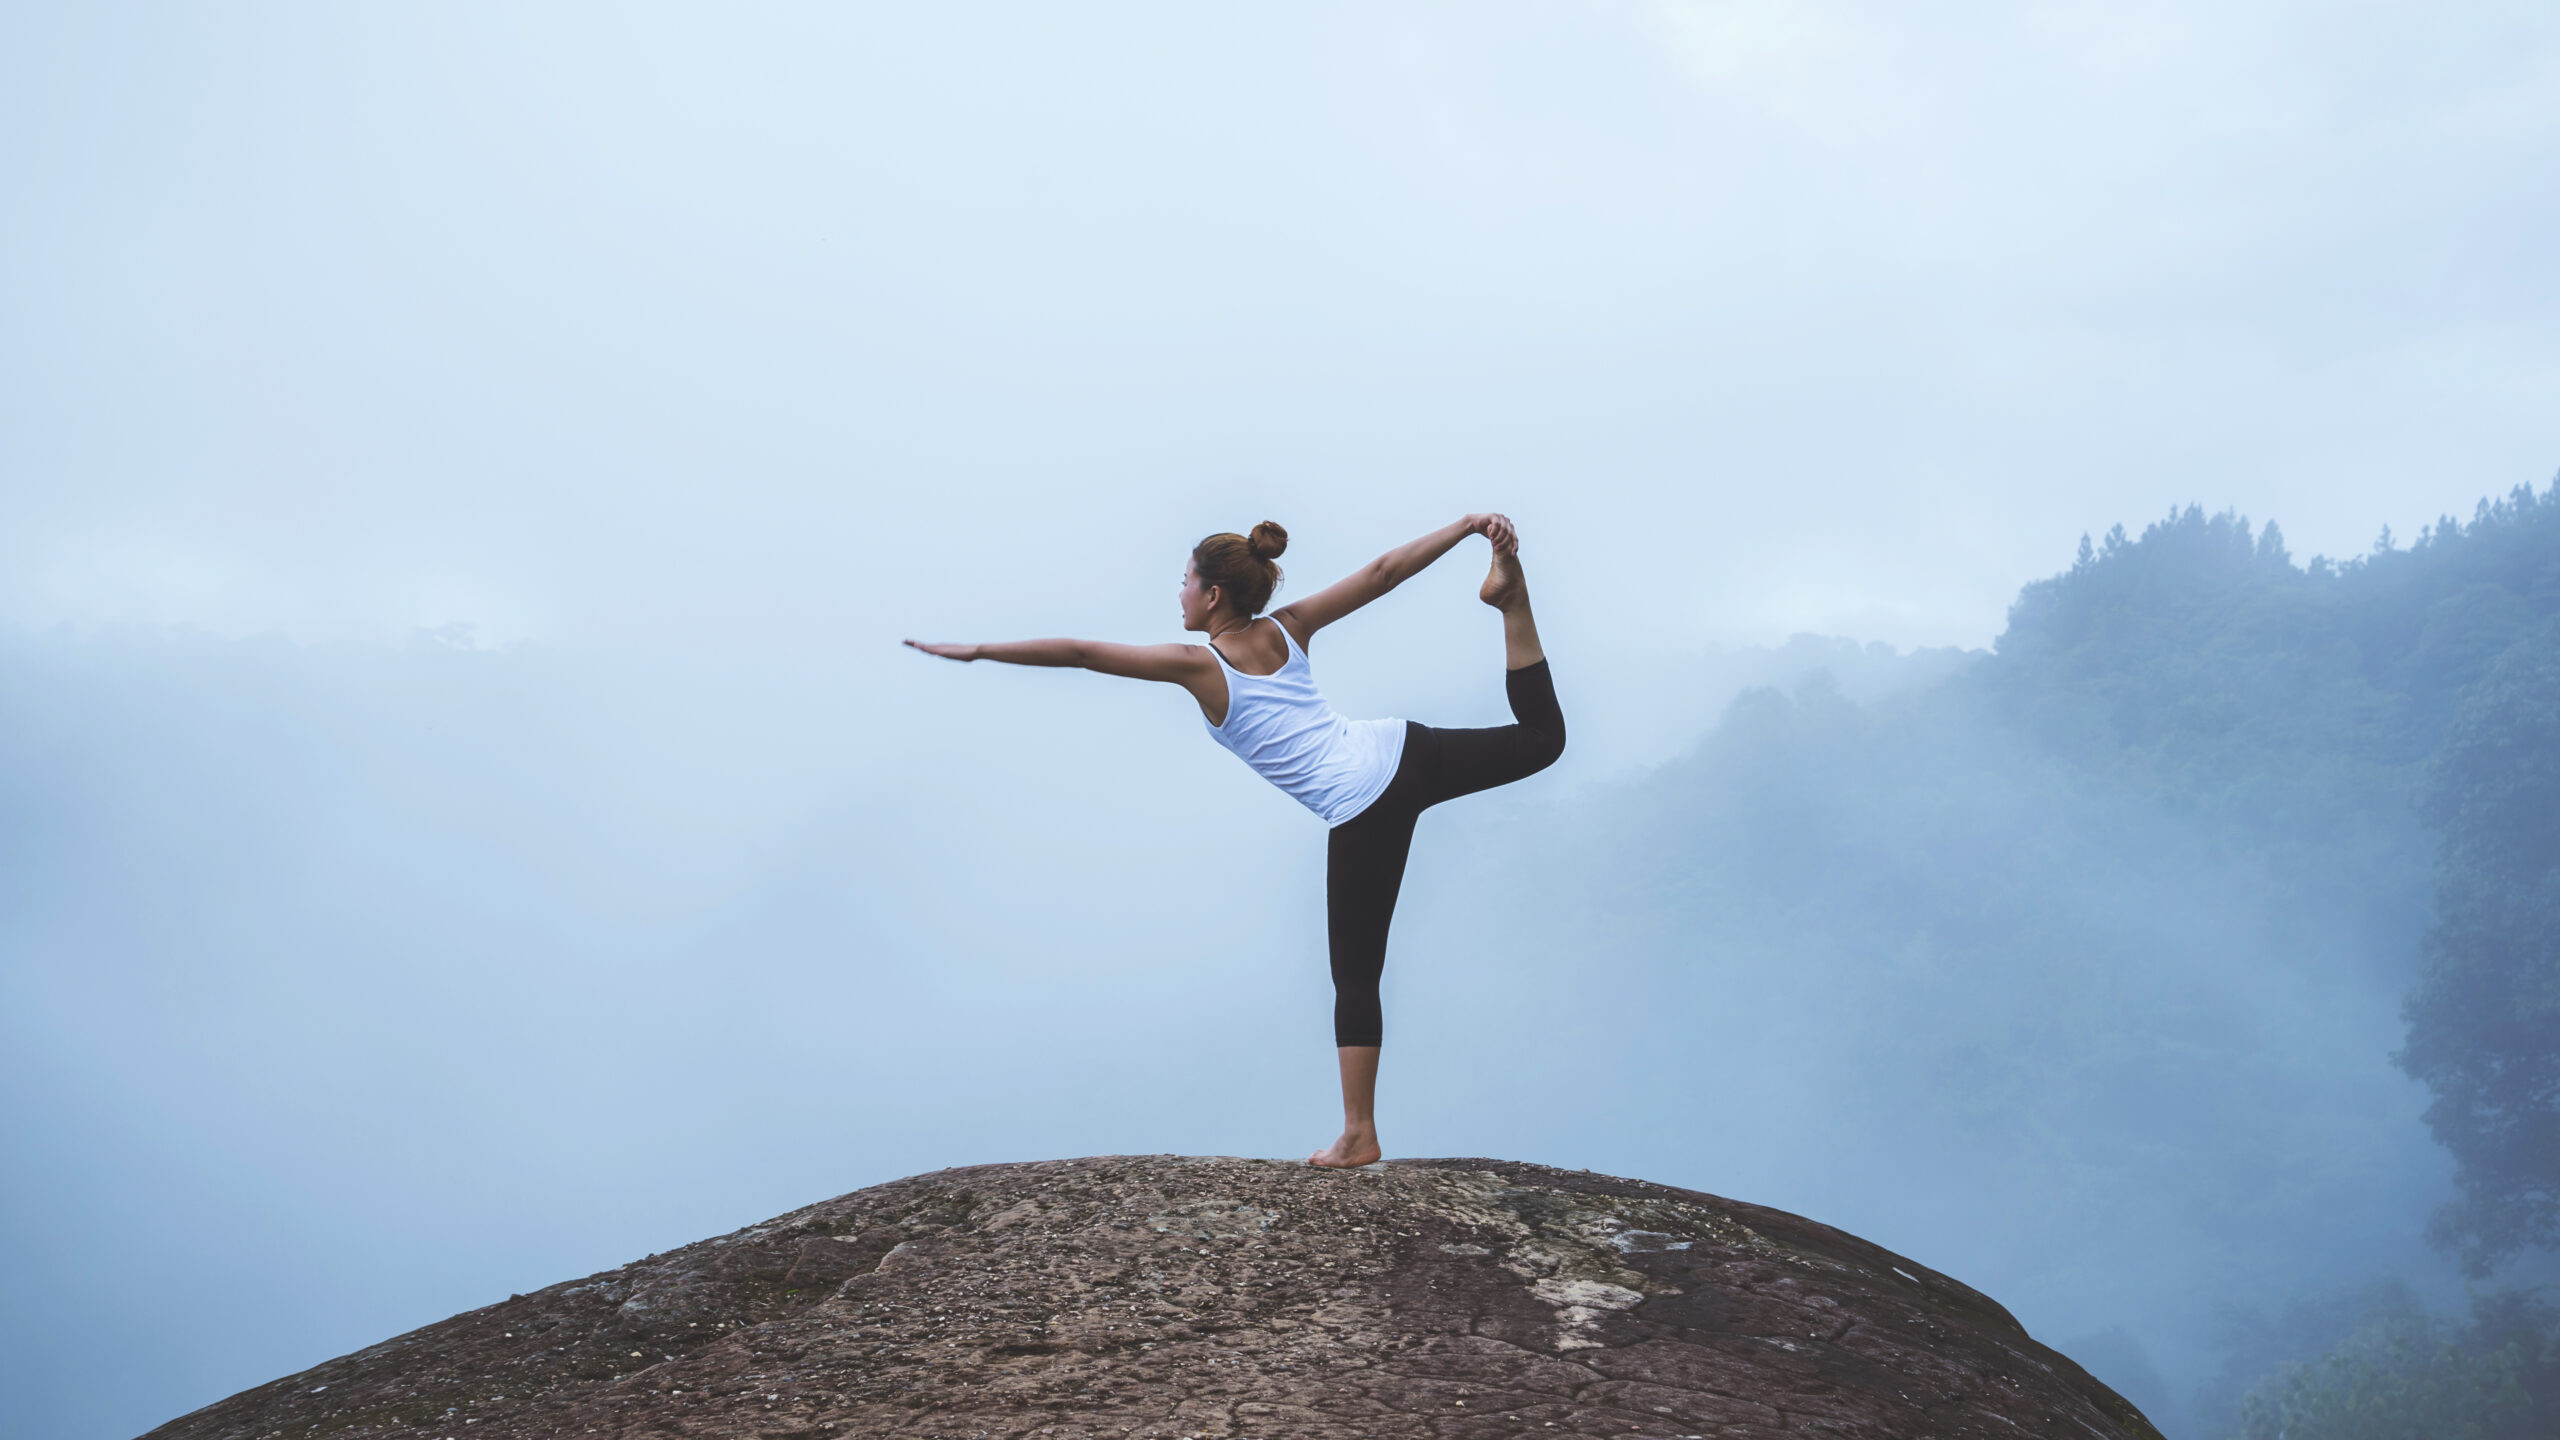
1268, 541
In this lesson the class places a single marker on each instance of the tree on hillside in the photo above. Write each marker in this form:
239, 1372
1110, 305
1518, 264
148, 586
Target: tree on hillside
2484, 1023
2404, 1374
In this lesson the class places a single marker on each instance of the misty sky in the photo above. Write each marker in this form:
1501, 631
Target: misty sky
465, 819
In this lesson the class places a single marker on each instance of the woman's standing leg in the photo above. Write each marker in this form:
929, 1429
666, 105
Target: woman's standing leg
1364, 871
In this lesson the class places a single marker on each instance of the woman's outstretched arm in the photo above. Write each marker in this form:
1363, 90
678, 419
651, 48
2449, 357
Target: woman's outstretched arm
1189, 666
1305, 617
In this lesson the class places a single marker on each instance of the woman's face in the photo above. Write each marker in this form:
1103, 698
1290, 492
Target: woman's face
1197, 599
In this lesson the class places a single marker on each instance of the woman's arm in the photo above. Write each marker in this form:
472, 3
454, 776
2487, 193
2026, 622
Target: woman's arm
1189, 666
1305, 617
1171, 663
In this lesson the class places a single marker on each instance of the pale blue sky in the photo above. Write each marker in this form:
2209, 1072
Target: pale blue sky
685, 322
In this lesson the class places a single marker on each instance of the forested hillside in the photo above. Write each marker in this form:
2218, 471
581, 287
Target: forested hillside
2117, 925
2307, 713
2311, 715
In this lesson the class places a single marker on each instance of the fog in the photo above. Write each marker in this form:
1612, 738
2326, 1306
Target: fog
465, 819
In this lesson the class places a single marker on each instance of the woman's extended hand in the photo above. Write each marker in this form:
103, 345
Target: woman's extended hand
948, 652
1496, 528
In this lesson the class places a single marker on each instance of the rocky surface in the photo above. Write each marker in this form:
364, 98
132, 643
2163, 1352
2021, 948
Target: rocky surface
1154, 1297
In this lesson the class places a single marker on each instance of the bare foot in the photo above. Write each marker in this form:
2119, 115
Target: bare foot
1356, 1147
1504, 585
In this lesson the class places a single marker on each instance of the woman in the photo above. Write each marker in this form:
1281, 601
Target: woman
1367, 779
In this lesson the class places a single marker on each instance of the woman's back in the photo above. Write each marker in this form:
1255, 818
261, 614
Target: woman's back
1283, 727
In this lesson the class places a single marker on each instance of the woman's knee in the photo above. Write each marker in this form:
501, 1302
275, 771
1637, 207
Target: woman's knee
1532, 692
1546, 744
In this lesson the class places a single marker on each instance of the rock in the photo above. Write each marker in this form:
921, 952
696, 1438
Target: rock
1153, 1297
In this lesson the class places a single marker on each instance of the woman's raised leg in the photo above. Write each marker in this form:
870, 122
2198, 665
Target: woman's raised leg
1466, 761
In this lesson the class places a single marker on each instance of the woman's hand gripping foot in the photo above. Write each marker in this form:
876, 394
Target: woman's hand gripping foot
1504, 585
1507, 590
1355, 1148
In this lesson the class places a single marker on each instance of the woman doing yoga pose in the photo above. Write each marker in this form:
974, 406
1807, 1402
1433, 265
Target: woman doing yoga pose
1367, 779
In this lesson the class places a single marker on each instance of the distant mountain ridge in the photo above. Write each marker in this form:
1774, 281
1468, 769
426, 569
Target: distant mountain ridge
2146, 903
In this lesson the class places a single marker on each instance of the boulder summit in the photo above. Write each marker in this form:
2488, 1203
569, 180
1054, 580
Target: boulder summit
1153, 1297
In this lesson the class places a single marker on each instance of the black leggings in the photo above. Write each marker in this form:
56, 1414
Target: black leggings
1364, 859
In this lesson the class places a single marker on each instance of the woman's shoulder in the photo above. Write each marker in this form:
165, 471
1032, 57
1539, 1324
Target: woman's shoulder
1292, 627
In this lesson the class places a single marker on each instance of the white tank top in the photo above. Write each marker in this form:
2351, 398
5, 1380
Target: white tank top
1280, 725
